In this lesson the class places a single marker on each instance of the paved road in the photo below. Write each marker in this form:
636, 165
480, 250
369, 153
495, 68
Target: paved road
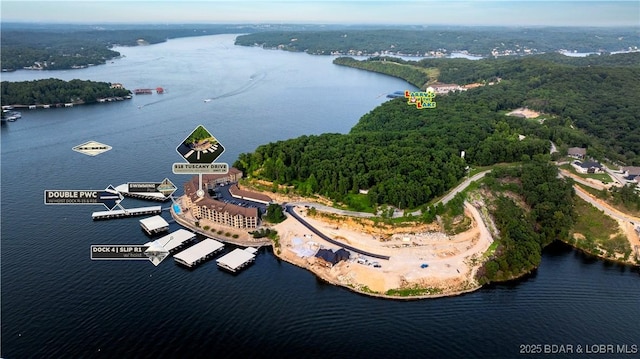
617, 177
578, 179
461, 187
321, 235
611, 212
448, 197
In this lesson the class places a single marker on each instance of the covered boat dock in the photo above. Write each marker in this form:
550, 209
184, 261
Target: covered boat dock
174, 240
237, 259
155, 224
132, 212
198, 253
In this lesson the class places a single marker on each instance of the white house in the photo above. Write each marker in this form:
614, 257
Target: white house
588, 167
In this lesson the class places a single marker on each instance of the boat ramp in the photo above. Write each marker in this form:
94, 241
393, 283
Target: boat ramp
237, 259
119, 213
198, 253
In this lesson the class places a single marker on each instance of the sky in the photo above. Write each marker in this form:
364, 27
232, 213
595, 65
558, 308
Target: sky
426, 12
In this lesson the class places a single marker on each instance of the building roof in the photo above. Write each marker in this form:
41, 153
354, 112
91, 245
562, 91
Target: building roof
235, 259
214, 176
198, 251
236, 191
190, 189
173, 240
632, 170
333, 257
589, 164
154, 223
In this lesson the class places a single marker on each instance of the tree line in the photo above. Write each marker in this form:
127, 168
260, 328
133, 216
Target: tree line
55, 91
420, 41
68, 46
399, 155
596, 94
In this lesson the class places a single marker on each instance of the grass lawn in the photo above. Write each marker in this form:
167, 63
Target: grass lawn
593, 223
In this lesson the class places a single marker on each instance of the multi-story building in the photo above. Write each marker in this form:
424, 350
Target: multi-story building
217, 211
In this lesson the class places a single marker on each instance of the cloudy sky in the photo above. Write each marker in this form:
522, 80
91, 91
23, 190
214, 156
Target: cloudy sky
426, 12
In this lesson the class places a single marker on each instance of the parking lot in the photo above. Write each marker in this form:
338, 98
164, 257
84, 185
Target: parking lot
221, 193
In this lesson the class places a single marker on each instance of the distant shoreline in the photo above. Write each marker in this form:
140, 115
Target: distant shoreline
65, 105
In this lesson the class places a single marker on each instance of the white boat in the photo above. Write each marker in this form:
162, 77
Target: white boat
207, 100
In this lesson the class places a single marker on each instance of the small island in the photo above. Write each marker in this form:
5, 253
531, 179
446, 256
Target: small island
49, 93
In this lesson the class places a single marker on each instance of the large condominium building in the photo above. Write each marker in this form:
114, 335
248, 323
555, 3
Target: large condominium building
217, 211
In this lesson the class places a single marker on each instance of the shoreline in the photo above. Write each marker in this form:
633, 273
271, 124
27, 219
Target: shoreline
329, 280
452, 260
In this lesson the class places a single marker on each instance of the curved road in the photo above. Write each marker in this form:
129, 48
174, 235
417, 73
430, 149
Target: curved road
321, 235
613, 213
449, 196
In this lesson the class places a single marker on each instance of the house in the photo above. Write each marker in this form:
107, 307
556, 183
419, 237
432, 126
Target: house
577, 152
587, 167
630, 172
330, 257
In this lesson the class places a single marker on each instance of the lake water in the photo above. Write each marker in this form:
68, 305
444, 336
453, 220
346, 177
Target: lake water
57, 303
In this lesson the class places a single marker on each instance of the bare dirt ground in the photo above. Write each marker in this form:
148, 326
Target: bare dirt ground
524, 112
450, 270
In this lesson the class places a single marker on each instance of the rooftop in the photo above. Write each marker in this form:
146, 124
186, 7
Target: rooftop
235, 259
154, 223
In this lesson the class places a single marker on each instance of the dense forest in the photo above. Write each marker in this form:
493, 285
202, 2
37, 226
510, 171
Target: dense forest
406, 157
598, 94
55, 91
525, 230
403, 156
483, 41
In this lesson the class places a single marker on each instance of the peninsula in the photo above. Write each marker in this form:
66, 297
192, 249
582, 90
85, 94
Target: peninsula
58, 93
379, 191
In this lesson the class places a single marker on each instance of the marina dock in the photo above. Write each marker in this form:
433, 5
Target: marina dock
155, 224
237, 259
132, 212
198, 253
152, 196
175, 240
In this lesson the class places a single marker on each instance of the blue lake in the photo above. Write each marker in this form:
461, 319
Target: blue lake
56, 302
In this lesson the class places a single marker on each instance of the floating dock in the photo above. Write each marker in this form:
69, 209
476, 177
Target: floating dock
174, 241
153, 196
237, 259
132, 212
198, 253
155, 224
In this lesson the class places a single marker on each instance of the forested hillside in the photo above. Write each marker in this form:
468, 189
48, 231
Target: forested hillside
51, 47
405, 157
525, 230
483, 41
599, 94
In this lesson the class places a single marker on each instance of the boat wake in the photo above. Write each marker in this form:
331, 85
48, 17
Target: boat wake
254, 80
